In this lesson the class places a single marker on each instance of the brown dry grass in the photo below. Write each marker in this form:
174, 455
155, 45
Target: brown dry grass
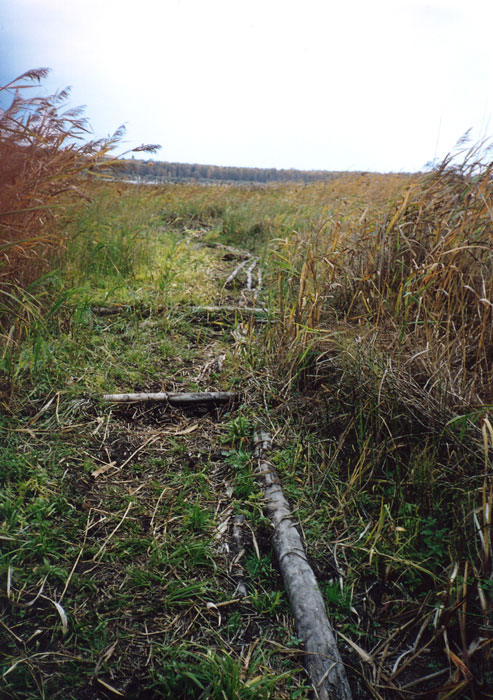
420, 277
44, 151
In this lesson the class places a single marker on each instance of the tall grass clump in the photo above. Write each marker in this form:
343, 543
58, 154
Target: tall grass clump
419, 281
112, 236
45, 155
41, 158
431, 277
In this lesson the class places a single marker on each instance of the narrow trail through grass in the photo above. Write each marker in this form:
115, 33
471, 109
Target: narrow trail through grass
124, 576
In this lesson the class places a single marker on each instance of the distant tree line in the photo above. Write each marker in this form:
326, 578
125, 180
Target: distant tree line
152, 170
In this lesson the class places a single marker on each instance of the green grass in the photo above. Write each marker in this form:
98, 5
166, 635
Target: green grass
205, 674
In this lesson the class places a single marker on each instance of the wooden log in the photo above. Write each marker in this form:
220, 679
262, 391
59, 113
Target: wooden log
322, 659
113, 310
236, 271
249, 273
249, 310
126, 308
238, 550
259, 284
109, 310
183, 399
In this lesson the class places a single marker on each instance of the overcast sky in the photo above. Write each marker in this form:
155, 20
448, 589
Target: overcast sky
313, 84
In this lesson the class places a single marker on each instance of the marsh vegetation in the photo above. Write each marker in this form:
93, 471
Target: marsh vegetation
372, 369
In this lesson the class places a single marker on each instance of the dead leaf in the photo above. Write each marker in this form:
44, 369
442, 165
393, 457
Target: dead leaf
63, 616
110, 687
185, 431
103, 469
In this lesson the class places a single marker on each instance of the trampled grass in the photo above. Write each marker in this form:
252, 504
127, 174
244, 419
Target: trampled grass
373, 371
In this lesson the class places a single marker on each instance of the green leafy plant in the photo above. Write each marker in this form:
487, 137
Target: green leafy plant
202, 674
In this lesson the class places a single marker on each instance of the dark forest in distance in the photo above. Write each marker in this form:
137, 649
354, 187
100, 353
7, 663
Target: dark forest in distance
151, 170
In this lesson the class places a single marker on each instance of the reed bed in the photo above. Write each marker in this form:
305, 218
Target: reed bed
418, 279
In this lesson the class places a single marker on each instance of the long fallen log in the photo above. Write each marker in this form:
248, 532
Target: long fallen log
322, 659
256, 291
174, 399
238, 550
248, 310
237, 271
110, 310
113, 310
249, 274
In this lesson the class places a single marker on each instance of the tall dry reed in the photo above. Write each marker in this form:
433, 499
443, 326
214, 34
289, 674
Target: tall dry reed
420, 278
44, 151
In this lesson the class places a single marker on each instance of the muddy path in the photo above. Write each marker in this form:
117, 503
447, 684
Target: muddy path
204, 440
